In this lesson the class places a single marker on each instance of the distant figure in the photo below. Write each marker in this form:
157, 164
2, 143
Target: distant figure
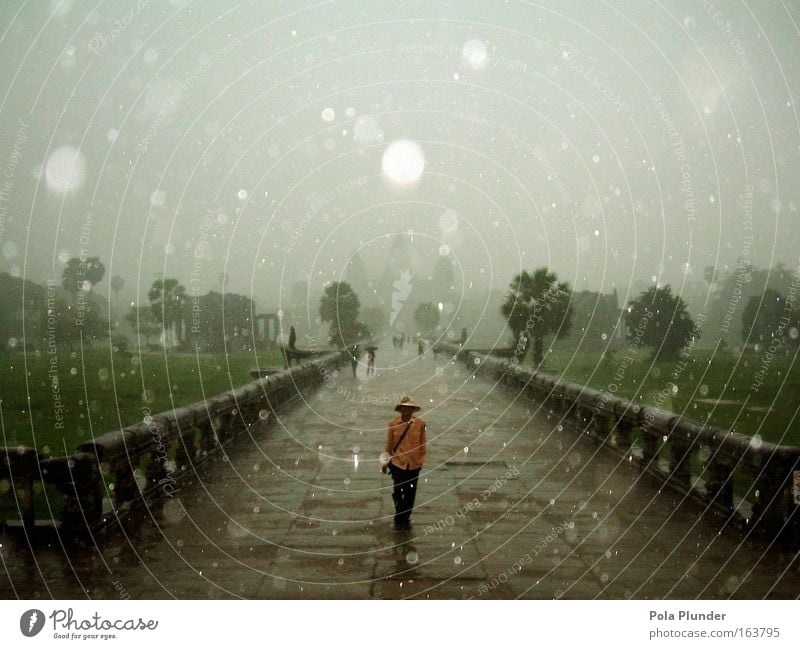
371, 360
402, 340
354, 356
463, 338
420, 347
435, 349
289, 351
403, 459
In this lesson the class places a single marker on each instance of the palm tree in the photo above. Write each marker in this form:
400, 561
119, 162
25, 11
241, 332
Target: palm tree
536, 306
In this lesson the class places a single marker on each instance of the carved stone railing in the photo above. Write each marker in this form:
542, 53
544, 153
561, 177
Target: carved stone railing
748, 483
298, 355
141, 464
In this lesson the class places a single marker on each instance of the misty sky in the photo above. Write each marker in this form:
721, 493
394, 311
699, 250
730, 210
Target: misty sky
618, 143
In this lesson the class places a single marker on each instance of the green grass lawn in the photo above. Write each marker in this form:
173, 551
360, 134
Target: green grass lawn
96, 399
718, 390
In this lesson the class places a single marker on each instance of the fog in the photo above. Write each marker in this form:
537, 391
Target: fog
266, 147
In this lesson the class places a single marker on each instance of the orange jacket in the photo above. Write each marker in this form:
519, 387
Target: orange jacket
411, 452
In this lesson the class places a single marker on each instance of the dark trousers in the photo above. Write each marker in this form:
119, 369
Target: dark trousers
405, 490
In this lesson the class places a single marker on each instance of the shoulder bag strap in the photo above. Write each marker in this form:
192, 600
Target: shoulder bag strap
402, 437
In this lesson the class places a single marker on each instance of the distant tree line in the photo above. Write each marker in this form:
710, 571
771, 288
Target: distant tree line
34, 316
65, 314
538, 308
211, 322
761, 307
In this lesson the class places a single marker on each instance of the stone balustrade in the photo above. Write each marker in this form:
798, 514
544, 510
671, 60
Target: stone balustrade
141, 464
745, 481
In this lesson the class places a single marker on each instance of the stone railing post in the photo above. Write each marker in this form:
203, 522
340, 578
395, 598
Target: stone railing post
157, 467
125, 487
186, 450
650, 442
623, 435
719, 486
20, 466
78, 477
601, 427
680, 461
772, 497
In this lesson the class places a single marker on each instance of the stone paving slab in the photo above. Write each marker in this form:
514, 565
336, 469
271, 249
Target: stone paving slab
510, 504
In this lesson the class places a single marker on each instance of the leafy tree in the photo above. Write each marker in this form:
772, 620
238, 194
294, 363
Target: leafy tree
766, 318
93, 326
30, 317
70, 279
731, 292
376, 319
536, 306
76, 273
427, 317
21, 301
141, 319
222, 322
660, 320
73, 324
340, 306
359, 331
95, 271
168, 304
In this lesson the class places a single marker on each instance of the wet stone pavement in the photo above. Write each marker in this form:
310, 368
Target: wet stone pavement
510, 505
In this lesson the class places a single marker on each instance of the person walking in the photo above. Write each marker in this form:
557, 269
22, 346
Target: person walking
355, 353
403, 459
371, 360
290, 352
